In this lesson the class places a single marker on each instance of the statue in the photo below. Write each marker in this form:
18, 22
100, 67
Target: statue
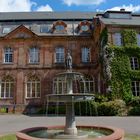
68, 61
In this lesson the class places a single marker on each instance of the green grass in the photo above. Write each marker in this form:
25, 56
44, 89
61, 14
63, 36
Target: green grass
127, 137
132, 137
8, 137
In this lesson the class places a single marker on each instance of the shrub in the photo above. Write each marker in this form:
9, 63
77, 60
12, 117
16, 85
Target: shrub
111, 108
88, 108
135, 111
135, 101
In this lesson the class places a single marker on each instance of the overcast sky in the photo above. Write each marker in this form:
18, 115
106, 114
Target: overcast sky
68, 5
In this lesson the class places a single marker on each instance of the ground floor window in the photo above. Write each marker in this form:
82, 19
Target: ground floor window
87, 84
81, 84
136, 88
59, 85
33, 87
7, 87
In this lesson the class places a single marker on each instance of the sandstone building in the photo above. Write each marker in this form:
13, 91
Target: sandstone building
33, 47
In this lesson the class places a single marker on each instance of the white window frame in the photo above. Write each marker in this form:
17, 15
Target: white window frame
85, 55
44, 29
59, 55
59, 85
89, 84
34, 55
8, 55
30, 83
7, 89
6, 30
59, 27
117, 39
134, 63
138, 39
136, 88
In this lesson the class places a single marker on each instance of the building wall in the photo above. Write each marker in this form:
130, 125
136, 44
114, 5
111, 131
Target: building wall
46, 69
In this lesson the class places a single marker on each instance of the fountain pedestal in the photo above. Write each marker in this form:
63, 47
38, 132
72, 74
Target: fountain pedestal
70, 126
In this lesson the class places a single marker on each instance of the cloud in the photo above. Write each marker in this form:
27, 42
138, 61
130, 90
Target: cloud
44, 8
21, 6
82, 2
130, 7
15, 5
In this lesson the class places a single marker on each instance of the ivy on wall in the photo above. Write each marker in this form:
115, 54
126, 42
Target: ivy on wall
122, 74
129, 37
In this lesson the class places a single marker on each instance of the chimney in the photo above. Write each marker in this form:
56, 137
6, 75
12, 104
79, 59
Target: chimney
122, 9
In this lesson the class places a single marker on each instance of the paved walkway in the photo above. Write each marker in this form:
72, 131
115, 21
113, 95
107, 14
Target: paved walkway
14, 123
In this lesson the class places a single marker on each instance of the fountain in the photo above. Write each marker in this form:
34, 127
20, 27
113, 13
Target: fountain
70, 131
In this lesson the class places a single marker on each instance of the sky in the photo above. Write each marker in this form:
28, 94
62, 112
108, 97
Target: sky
68, 5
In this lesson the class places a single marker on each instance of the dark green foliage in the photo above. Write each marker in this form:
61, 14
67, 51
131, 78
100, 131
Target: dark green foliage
101, 98
135, 101
104, 37
88, 108
120, 68
56, 110
135, 111
129, 37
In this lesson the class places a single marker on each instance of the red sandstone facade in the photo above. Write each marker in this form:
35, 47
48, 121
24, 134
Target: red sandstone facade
34, 48
21, 39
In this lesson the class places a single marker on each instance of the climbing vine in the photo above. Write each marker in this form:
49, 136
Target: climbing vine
122, 74
129, 37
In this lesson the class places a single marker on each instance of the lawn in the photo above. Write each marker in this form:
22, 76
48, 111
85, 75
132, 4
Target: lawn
127, 137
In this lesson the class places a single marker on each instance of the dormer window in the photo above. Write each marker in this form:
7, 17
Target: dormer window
44, 29
6, 30
59, 27
84, 26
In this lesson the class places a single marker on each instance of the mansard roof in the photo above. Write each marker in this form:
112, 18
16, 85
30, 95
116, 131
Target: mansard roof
5, 16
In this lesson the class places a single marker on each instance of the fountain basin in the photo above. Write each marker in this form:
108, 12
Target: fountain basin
70, 97
114, 133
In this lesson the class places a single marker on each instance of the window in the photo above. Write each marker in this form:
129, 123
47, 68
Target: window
59, 85
117, 39
8, 55
44, 29
33, 87
34, 55
138, 40
59, 52
7, 87
84, 28
87, 84
85, 55
6, 30
136, 88
59, 27
134, 63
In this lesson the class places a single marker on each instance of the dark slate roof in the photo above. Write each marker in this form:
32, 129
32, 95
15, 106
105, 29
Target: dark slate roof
135, 20
46, 15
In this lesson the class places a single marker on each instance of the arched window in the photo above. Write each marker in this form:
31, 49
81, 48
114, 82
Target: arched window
7, 87
8, 55
33, 87
59, 27
87, 84
84, 26
34, 55
59, 85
